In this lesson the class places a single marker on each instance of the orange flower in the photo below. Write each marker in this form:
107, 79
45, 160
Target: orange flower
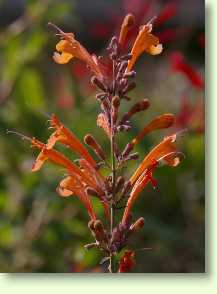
127, 262
69, 48
142, 181
145, 41
165, 150
78, 179
66, 137
59, 159
73, 185
161, 122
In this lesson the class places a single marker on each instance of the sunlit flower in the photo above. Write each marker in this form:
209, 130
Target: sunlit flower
165, 147
72, 185
166, 152
79, 177
66, 137
69, 48
145, 42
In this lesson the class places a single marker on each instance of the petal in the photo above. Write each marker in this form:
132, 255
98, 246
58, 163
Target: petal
62, 58
64, 192
39, 161
155, 50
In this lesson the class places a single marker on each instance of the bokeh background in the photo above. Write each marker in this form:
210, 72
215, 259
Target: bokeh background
41, 232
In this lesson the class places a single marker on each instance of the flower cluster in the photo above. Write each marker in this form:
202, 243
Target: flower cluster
113, 76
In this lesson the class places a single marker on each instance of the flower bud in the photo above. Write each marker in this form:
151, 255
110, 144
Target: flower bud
139, 106
126, 57
91, 191
115, 106
123, 128
90, 246
127, 24
96, 82
138, 224
90, 140
133, 156
119, 184
130, 74
127, 150
126, 188
122, 67
129, 87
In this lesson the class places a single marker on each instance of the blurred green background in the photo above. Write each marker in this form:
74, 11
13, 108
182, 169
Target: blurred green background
41, 232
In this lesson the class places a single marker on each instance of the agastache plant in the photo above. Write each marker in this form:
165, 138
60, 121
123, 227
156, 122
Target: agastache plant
113, 76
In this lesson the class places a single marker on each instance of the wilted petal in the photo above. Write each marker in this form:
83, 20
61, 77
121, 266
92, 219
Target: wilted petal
103, 123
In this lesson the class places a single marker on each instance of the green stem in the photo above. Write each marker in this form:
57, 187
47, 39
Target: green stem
113, 171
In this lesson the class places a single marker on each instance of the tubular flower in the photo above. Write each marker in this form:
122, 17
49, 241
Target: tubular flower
69, 48
164, 150
161, 122
73, 185
66, 137
145, 41
59, 159
147, 177
142, 181
85, 176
